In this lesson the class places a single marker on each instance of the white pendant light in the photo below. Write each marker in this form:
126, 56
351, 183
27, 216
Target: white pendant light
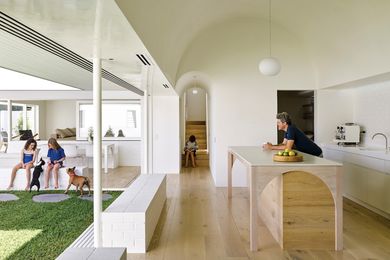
269, 66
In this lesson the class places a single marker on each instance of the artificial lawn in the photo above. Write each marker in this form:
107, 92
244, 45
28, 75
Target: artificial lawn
32, 230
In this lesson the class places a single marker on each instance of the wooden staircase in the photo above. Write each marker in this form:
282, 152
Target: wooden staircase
198, 129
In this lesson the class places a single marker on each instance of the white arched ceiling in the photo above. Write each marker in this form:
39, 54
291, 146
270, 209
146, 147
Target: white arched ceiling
190, 79
346, 40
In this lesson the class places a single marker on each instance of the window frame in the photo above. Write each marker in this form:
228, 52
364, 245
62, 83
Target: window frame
90, 102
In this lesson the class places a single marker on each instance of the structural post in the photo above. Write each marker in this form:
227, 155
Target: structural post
145, 122
97, 141
9, 129
25, 117
151, 75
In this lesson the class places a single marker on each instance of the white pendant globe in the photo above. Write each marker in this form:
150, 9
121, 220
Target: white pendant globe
269, 66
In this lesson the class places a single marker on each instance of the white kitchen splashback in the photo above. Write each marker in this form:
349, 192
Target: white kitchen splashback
372, 112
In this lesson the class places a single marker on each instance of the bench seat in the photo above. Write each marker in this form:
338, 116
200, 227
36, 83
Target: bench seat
92, 253
20, 179
131, 219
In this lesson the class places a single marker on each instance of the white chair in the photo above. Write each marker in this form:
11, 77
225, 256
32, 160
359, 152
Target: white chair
3, 140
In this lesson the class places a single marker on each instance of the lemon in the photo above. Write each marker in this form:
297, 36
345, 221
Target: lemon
285, 154
280, 153
286, 150
291, 153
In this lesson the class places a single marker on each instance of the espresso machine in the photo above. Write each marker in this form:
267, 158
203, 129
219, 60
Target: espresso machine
347, 134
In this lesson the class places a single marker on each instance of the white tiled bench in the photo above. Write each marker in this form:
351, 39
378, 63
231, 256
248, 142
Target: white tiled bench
92, 253
20, 179
131, 219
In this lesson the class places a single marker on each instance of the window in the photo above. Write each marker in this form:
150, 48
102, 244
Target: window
120, 119
24, 117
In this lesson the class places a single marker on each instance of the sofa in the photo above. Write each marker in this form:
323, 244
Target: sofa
64, 134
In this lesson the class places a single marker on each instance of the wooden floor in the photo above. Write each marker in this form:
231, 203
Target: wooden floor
198, 222
118, 178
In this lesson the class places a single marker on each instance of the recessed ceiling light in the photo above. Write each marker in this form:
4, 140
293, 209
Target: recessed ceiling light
194, 91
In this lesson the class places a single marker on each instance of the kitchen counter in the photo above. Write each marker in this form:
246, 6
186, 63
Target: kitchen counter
374, 152
366, 175
288, 195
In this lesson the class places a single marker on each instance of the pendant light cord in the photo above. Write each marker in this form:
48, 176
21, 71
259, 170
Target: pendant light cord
269, 27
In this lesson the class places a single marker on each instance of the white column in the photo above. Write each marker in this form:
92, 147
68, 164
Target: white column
145, 121
9, 129
97, 141
25, 117
150, 121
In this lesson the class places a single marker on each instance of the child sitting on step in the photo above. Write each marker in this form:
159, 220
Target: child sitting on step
190, 150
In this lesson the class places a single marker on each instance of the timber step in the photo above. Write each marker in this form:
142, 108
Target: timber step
202, 158
198, 129
196, 123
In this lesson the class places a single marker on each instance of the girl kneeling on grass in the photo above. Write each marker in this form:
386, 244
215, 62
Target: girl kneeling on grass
56, 159
28, 156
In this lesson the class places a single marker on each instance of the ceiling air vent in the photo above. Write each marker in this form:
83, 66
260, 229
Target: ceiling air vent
165, 86
142, 58
25, 33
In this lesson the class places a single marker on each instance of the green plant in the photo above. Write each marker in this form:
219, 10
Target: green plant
90, 133
109, 132
19, 124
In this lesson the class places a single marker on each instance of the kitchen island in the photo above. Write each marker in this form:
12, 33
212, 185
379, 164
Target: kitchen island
299, 202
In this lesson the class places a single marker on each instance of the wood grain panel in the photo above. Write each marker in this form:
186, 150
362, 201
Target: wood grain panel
308, 212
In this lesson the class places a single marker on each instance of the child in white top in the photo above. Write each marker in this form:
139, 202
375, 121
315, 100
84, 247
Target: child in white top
190, 150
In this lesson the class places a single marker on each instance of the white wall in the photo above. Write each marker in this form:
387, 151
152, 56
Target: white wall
129, 153
372, 112
243, 103
166, 139
196, 105
60, 114
332, 108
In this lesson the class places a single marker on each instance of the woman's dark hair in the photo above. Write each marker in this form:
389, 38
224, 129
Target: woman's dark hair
30, 141
192, 138
54, 143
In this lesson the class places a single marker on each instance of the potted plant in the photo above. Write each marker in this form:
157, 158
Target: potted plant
90, 134
109, 132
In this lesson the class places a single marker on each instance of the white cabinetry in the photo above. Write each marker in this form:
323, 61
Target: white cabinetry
366, 179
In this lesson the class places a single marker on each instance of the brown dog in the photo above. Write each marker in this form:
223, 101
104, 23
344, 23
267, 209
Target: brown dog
78, 181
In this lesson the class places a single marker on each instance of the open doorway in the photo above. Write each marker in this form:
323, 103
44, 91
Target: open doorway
300, 105
196, 122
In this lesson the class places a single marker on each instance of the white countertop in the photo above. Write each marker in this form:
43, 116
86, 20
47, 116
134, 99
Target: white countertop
366, 151
257, 156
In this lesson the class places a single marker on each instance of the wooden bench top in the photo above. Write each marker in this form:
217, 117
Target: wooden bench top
92, 253
138, 196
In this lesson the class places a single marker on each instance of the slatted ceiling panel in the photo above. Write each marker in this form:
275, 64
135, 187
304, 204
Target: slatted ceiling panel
18, 54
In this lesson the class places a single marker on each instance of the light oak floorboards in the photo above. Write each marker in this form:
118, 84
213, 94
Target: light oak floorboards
118, 178
199, 222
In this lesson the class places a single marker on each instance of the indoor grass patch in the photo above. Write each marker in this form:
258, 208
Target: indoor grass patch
32, 230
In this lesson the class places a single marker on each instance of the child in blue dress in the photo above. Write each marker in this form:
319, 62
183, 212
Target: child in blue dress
28, 156
56, 156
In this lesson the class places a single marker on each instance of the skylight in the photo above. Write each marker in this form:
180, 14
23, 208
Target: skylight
12, 80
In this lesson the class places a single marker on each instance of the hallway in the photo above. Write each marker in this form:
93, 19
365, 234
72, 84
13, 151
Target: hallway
197, 222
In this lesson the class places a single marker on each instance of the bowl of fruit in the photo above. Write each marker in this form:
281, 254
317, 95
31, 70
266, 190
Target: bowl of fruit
287, 156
